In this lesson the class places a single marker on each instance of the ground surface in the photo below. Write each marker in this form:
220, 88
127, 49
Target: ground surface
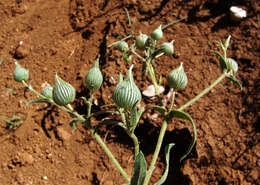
66, 36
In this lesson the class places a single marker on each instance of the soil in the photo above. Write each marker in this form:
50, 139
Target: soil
65, 37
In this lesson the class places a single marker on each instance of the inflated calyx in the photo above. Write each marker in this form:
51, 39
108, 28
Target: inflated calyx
177, 78
157, 34
167, 48
126, 94
47, 91
20, 74
94, 77
63, 93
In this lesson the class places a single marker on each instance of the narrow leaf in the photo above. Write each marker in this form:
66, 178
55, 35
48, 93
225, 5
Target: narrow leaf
160, 109
40, 100
133, 117
167, 160
139, 171
227, 42
106, 122
223, 64
73, 124
183, 115
233, 79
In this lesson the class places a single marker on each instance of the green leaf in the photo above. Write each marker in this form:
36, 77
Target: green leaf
227, 42
160, 109
233, 79
139, 171
73, 124
40, 100
107, 122
183, 115
222, 46
223, 64
167, 160
135, 117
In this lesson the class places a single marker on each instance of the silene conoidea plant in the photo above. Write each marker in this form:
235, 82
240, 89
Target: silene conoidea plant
127, 96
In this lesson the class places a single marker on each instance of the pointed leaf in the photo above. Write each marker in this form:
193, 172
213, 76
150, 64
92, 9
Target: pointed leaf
133, 117
73, 124
183, 115
40, 100
223, 64
222, 46
139, 113
160, 109
227, 42
167, 160
106, 122
233, 79
139, 171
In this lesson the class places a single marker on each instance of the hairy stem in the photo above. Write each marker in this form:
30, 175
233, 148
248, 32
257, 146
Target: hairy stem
111, 157
156, 152
135, 140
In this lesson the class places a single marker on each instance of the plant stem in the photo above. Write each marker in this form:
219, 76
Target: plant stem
135, 141
90, 104
205, 91
174, 22
115, 43
111, 156
172, 99
156, 152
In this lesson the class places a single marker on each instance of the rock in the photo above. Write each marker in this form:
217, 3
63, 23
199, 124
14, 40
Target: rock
150, 91
63, 134
21, 51
27, 158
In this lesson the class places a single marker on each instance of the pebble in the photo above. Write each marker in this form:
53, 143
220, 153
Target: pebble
63, 134
150, 91
21, 51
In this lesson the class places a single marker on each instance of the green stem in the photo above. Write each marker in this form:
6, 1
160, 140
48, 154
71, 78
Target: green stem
205, 91
156, 152
152, 75
172, 99
174, 22
90, 100
115, 43
135, 140
112, 158
127, 128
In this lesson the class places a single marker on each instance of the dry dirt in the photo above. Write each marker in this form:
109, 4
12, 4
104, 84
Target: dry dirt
65, 36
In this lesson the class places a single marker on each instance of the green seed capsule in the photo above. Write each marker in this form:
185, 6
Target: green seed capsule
232, 66
94, 77
140, 41
20, 73
157, 34
177, 78
126, 94
63, 92
167, 48
47, 91
123, 46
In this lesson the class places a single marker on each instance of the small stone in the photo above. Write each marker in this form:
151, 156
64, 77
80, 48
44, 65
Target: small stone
150, 91
27, 158
21, 51
63, 134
